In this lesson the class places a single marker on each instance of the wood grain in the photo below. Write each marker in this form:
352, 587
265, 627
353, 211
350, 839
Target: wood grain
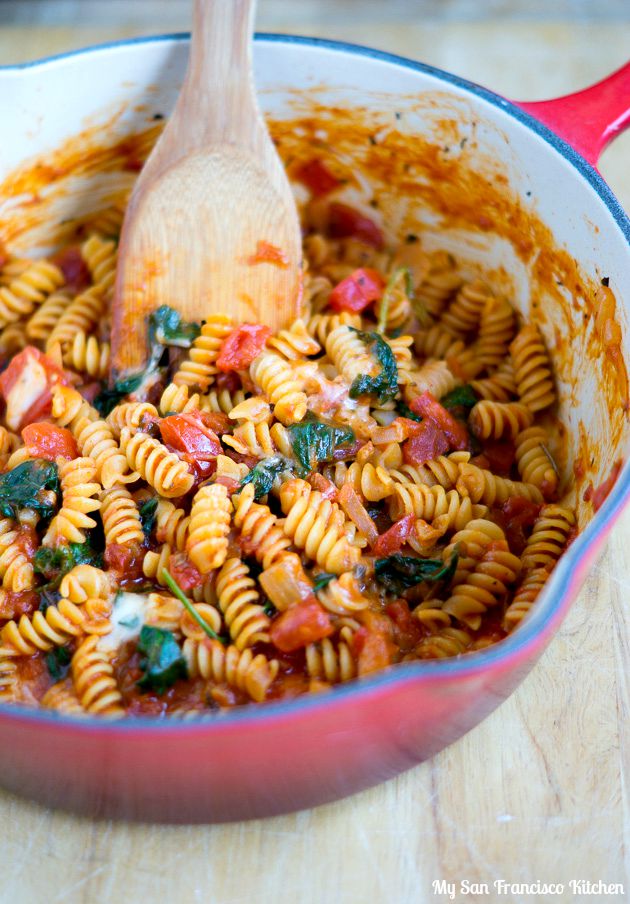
537, 791
211, 191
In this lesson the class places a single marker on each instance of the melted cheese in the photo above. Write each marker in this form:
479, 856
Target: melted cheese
29, 386
128, 617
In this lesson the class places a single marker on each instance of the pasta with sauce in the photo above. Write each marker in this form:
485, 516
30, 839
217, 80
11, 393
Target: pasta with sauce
261, 516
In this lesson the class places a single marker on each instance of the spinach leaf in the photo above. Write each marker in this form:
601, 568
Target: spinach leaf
162, 662
58, 663
398, 573
107, 399
263, 475
405, 411
314, 441
385, 384
148, 513
21, 487
167, 328
460, 397
54, 563
322, 580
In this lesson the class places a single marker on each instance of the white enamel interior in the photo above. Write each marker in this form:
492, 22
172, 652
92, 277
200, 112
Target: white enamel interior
123, 86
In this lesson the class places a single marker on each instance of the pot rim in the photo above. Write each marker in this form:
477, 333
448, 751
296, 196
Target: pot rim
567, 576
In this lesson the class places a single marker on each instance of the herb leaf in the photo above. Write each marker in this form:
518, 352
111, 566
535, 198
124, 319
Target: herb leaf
385, 384
322, 580
148, 512
314, 441
460, 397
107, 399
263, 475
400, 283
398, 573
177, 591
21, 487
58, 663
167, 327
54, 563
163, 662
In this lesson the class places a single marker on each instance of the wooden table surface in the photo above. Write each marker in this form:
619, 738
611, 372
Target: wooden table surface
539, 791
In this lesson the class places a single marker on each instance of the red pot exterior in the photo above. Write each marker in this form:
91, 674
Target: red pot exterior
277, 758
241, 769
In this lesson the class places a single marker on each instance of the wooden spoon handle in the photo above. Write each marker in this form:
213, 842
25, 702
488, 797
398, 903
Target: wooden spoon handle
219, 83
217, 103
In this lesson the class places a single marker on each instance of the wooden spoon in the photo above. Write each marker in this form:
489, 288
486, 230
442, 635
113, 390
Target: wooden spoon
212, 205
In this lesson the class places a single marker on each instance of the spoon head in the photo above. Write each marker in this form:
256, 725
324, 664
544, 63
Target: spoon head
213, 234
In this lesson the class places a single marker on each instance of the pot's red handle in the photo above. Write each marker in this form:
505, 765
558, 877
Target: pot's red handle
589, 119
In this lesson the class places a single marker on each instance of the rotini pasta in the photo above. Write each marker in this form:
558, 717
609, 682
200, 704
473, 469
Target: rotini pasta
495, 420
317, 526
249, 673
239, 602
17, 300
93, 435
532, 369
209, 526
259, 515
79, 488
200, 367
277, 379
163, 470
120, 517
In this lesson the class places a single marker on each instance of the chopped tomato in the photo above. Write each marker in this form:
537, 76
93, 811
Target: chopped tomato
299, 626
126, 561
599, 495
394, 538
230, 483
409, 428
500, 455
216, 421
345, 222
71, 263
266, 253
184, 572
428, 407
230, 381
428, 444
14, 603
27, 386
357, 291
317, 177
325, 486
407, 630
47, 441
372, 651
194, 442
242, 345
516, 516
